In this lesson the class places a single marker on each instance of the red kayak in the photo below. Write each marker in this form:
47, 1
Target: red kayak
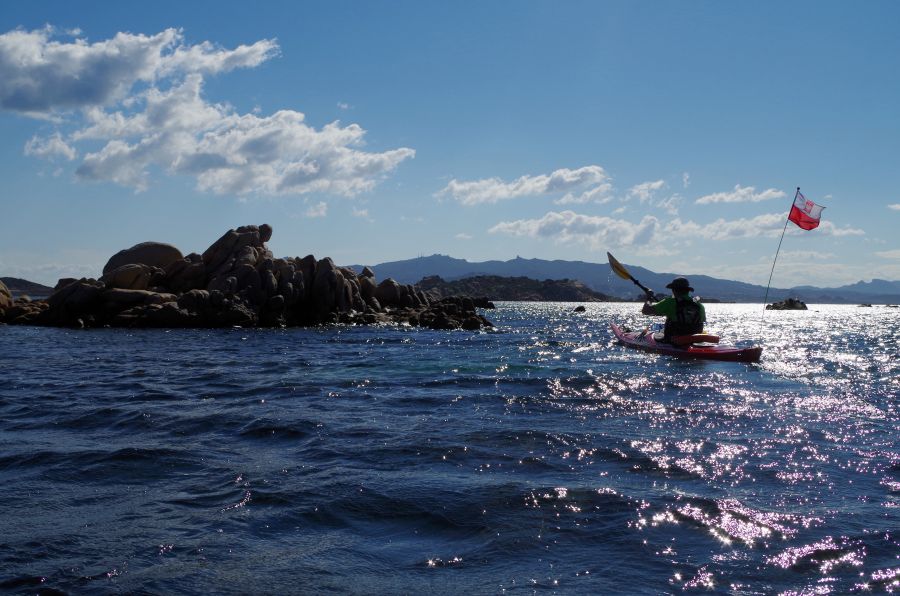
699, 346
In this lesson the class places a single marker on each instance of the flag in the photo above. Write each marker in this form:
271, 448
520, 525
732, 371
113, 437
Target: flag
805, 213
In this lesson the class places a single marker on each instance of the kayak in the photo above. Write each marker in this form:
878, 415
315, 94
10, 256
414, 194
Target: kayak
703, 350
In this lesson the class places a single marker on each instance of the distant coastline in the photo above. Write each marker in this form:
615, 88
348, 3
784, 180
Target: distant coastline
495, 287
599, 278
23, 287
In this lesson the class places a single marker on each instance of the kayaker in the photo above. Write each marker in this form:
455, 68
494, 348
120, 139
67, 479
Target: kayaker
684, 313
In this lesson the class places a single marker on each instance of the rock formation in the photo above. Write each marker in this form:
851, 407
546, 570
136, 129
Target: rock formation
237, 281
6, 299
787, 304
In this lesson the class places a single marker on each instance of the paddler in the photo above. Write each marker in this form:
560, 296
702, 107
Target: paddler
684, 313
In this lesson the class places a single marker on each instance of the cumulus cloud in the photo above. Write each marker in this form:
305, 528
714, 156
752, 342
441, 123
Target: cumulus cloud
599, 194
741, 194
647, 193
233, 153
50, 147
165, 123
766, 225
686, 179
830, 229
207, 58
644, 191
669, 204
600, 232
586, 181
39, 74
895, 206
463, 236
594, 231
318, 210
803, 255
769, 224
889, 254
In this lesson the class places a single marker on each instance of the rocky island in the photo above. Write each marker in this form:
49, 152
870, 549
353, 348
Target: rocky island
237, 281
787, 304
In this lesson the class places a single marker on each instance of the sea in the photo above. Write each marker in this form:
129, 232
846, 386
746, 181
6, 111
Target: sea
540, 457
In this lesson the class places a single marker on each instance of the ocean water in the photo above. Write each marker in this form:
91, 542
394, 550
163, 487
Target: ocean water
541, 457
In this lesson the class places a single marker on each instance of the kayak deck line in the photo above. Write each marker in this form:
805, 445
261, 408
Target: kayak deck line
643, 340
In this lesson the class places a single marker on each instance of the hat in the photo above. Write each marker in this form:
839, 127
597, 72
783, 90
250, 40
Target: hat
680, 284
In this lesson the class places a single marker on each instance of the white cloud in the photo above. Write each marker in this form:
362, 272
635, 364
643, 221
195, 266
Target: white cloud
767, 225
318, 210
889, 254
169, 125
207, 58
829, 229
649, 234
669, 204
463, 236
599, 194
343, 105
361, 213
685, 179
50, 147
804, 255
493, 190
595, 231
644, 191
39, 74
741, 194
895, 206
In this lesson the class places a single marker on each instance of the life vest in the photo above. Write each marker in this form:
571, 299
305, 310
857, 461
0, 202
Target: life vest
688, 319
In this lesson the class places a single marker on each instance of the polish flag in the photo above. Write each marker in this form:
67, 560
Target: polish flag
804, 213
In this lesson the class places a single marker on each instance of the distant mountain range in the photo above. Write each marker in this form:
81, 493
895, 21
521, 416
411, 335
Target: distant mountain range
596, 276
600, 278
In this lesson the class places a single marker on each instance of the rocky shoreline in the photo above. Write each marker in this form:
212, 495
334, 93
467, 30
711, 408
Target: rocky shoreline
235, 282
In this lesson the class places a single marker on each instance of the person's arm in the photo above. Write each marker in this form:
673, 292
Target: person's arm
650, 309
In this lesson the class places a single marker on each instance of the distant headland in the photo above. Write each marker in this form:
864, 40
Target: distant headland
496, 287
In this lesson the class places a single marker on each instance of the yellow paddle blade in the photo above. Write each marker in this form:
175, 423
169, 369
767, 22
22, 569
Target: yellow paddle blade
618, 268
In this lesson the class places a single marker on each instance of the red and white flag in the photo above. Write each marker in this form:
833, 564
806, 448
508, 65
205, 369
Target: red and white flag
804, 213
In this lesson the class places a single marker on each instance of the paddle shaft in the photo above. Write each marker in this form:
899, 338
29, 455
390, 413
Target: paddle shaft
648, 291
620, 270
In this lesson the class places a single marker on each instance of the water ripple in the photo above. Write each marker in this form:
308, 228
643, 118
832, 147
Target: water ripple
540, 456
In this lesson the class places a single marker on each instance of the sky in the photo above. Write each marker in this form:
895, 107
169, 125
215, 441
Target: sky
672, 134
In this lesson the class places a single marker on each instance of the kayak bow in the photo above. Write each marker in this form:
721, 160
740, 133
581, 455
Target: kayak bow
703, 351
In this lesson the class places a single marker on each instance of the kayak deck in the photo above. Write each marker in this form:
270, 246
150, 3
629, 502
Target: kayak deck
646, 341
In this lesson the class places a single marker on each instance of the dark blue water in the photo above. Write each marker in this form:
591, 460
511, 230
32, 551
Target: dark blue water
541, 457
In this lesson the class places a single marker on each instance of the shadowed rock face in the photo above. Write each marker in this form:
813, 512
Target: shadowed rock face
6, 299
236, 281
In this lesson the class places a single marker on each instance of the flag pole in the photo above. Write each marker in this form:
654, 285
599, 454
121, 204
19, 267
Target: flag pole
766, 298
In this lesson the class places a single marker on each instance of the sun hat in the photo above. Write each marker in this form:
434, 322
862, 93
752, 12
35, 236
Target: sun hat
680, 284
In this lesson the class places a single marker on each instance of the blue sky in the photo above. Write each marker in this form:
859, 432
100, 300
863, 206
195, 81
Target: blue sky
670, 134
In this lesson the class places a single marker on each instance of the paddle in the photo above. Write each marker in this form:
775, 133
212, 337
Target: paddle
622, 272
